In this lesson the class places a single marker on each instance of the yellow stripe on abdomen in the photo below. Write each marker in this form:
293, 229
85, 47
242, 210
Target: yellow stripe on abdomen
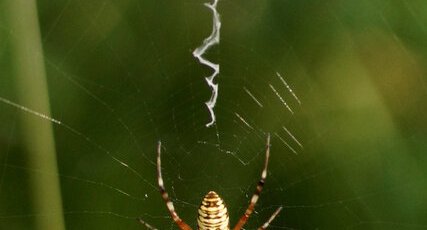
213, 214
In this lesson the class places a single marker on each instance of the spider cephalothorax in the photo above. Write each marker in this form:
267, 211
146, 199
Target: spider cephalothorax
213, 214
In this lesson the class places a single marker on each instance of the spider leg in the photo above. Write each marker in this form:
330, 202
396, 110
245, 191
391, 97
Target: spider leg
145, 224
255, 196
266, 224
178, 221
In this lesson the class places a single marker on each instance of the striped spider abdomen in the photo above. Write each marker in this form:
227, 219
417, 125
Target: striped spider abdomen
213, 214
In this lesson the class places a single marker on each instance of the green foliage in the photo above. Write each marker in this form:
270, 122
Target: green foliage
121, 76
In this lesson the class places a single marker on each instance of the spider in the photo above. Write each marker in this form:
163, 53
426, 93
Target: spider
213, 214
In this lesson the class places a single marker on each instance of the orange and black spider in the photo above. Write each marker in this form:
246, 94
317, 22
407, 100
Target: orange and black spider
213, 214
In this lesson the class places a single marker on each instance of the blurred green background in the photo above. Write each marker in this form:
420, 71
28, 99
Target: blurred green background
121, 76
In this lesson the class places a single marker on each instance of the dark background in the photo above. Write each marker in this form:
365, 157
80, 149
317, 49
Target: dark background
121, 76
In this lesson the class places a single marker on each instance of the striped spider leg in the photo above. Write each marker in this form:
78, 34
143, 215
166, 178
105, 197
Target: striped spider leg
266, 224
178, 221
213, 212
242, 221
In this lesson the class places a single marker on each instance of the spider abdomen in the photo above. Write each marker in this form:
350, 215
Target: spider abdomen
213, 214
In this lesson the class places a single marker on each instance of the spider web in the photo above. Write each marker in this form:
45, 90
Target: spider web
340, 87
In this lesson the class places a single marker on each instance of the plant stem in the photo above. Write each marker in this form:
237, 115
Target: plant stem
32, 91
